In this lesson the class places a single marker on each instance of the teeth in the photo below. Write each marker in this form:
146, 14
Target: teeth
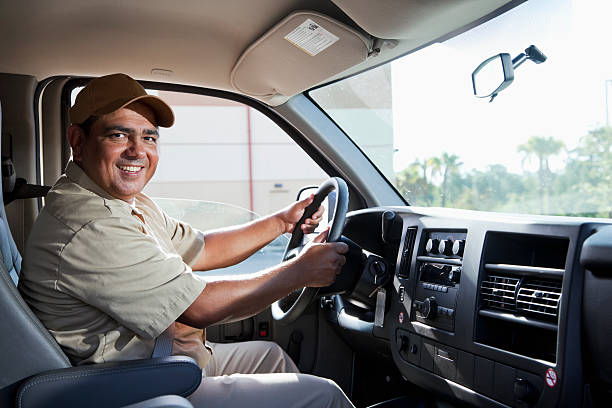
132, 169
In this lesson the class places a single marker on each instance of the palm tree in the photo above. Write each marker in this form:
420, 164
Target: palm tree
450, 163
433, 165
542, 148
430, 167
408, 183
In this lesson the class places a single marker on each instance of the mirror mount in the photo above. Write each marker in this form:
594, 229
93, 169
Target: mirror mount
532, 53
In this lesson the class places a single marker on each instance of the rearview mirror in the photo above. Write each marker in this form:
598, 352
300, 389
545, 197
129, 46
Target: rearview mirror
495, 74
492, 76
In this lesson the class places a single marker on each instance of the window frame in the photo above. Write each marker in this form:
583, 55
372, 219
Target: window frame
328, 167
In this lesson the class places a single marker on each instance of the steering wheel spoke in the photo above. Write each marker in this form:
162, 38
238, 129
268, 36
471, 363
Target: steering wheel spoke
292, 253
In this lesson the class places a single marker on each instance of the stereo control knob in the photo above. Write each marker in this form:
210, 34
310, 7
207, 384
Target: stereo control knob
429, 308
445, 247
432, 245
458, 247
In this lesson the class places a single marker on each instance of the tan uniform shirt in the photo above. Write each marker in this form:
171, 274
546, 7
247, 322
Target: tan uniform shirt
106, 278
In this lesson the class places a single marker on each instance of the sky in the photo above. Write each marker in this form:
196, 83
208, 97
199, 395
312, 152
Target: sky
434, 109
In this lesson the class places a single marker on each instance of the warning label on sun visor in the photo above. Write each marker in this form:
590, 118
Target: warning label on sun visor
311, 38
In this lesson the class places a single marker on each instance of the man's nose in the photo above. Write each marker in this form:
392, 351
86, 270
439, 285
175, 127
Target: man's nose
135, 148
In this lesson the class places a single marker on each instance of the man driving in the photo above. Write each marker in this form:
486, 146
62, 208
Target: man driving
107, 272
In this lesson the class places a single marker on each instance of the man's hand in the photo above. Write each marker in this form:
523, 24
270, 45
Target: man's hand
321, 262
228, 299
228, 246
292, 214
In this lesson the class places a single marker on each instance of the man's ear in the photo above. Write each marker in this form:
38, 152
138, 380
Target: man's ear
76, 138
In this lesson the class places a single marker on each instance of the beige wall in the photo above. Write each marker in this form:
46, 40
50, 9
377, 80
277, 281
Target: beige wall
205, 156
267, 197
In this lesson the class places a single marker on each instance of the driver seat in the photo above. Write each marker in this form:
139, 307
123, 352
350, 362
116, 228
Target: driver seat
35, 372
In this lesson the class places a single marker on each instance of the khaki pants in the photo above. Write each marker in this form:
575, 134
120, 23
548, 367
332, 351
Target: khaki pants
260, 374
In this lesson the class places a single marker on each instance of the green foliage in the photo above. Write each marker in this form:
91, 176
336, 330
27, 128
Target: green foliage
583, 187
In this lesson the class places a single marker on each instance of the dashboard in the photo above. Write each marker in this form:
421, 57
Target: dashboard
490, 309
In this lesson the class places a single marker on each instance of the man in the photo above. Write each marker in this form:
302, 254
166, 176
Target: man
107, 271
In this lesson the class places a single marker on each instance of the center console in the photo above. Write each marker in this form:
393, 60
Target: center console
439, 278
479, 309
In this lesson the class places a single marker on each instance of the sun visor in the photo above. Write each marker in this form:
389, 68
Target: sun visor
302, 50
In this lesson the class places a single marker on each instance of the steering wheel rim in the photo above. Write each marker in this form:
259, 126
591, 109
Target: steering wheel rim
289, 308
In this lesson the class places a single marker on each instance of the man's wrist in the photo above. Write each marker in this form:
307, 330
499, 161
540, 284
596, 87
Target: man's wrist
280, 224
295, 274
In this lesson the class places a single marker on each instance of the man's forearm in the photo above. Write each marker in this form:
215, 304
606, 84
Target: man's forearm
229, 246
237, 298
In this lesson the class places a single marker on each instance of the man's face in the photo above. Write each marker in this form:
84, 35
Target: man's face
120, 152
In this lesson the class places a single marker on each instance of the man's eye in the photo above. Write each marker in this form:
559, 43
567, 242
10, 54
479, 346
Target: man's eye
117, 135
151, 139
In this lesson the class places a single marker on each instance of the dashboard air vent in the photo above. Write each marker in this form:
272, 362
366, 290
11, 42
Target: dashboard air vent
521, 278
499, 292
409, 240
539, 297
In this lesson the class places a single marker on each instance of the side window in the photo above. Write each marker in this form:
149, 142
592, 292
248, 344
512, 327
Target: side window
224, 163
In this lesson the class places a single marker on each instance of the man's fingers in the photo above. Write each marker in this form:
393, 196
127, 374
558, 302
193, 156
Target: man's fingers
321, 236
318, 214
308, 229
340, 263
305, 202
340, 247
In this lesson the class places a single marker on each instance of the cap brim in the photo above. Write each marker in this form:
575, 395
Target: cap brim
163, 112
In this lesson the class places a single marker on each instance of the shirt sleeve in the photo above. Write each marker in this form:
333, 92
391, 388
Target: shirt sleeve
188, 241
112, 265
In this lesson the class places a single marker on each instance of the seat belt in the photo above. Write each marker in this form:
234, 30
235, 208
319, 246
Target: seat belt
14, 188
163, 343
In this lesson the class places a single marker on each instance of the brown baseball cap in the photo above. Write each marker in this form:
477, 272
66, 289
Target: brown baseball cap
108, 93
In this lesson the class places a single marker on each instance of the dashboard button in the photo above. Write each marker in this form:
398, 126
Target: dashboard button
458, 247
445, 247
402, 341
465, 369
430, 308
444, 289
428, 351
503, 385
432, 245
483, 375
455, 275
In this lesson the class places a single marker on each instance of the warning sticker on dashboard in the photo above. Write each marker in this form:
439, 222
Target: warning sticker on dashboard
311, 38
551, 377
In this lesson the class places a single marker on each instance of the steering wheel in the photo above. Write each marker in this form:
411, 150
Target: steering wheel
289, 308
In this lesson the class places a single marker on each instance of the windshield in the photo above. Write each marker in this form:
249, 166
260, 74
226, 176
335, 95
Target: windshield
543, 146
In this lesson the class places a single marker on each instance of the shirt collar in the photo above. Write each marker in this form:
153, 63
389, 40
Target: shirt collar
76, 174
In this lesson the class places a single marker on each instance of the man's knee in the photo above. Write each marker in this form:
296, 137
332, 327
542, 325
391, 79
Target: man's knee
269, 390
328, 393
283, 363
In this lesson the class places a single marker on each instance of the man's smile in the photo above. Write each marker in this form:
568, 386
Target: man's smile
130, 170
